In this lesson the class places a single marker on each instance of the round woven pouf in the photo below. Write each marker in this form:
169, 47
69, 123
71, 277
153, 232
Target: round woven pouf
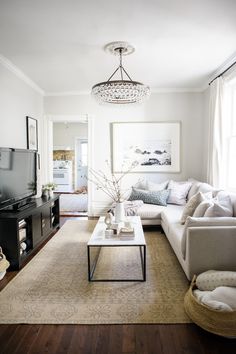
218, 322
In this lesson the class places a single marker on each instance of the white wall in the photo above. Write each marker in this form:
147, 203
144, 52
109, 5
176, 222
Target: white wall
17, 100
185, 107
64, 134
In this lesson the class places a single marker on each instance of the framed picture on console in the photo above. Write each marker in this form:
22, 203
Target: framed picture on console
32, 133
155, 146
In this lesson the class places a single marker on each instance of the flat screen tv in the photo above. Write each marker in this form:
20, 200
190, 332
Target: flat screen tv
17, 176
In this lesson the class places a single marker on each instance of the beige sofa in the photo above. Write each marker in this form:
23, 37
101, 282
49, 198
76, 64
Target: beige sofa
207, 243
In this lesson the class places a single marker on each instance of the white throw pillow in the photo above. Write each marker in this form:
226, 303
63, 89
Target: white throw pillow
202, 208
211, 279
142, 184
178, 192
216, 210
203, 222
151, 186
191, 205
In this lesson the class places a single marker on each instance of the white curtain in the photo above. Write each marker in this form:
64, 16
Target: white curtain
220, 124
216, 134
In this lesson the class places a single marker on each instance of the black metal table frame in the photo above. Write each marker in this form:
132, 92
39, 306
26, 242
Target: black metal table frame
92, 267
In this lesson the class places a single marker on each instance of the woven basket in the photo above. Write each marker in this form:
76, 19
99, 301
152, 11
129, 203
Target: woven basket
217, 322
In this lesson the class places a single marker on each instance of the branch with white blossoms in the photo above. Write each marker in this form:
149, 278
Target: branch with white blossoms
111, 184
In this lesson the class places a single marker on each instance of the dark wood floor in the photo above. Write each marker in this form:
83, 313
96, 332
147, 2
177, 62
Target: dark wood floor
110, 339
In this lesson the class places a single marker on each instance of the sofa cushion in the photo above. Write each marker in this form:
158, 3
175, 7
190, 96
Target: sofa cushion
141, 184
150, 197
204, 222
201, 209
150, 211
198, 186
178, 192
157, 186
191, 205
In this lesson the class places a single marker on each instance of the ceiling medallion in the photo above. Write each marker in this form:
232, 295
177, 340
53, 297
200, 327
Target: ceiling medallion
120, 91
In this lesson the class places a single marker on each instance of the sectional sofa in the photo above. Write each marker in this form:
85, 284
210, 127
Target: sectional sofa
202, 243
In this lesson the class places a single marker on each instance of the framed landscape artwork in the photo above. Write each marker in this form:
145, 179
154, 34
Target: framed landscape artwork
155, 146
32, 133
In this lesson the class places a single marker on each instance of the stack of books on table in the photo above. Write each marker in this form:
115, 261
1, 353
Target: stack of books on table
126, 233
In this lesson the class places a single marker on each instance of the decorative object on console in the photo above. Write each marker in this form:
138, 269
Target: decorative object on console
158, 150
47, 189
120, 91
32, 133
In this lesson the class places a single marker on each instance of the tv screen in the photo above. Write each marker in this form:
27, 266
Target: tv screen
17, 175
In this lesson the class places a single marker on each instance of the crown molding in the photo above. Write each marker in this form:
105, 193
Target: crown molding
226, 64
12, 68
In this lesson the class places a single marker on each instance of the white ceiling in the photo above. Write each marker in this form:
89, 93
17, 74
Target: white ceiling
59, 43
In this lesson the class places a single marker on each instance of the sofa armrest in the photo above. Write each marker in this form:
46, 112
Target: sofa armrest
212, 247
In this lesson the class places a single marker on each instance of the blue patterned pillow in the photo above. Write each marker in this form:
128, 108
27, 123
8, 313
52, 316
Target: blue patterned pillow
150, 197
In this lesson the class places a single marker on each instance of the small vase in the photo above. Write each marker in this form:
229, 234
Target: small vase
45, 194
120, 212
50, 193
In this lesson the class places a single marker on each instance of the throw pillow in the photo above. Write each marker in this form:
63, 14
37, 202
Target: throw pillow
191, 205
198, 186
201, 209
216, 210
211, 279
142, 184
178, 192
156, 186
203, 222
150, 197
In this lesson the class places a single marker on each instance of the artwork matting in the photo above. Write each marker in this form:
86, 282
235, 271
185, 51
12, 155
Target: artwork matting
154, 145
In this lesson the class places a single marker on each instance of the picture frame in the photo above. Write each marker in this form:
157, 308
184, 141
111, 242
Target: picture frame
32, 133
154, 146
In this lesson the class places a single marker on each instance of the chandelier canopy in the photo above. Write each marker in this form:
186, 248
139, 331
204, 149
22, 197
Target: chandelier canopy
124, 90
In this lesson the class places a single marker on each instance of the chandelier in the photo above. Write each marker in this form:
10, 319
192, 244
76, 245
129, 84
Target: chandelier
124, 90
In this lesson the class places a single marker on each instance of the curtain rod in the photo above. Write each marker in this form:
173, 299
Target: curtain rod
223, 72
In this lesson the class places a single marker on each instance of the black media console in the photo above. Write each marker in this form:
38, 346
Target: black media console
22, 232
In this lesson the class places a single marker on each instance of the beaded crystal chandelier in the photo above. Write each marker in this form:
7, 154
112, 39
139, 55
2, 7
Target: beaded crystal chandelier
124, 90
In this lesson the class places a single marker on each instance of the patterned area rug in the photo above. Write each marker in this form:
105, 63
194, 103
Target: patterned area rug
53, 288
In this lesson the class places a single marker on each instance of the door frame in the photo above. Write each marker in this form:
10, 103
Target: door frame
47, 151
77, 142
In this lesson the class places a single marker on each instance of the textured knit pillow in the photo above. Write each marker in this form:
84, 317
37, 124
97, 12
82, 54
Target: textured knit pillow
191, 205
151, 186
178, 192
211, 279
150, 197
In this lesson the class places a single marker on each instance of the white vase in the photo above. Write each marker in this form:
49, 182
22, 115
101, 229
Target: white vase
120, 212
50, 193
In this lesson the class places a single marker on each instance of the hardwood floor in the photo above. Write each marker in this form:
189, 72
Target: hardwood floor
110, 339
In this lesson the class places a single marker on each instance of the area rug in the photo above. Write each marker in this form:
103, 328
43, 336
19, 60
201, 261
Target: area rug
53, 287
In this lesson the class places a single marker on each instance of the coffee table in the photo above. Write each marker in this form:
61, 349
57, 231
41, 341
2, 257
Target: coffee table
99, 241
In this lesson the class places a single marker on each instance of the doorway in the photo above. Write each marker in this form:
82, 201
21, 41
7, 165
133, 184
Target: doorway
70, 166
